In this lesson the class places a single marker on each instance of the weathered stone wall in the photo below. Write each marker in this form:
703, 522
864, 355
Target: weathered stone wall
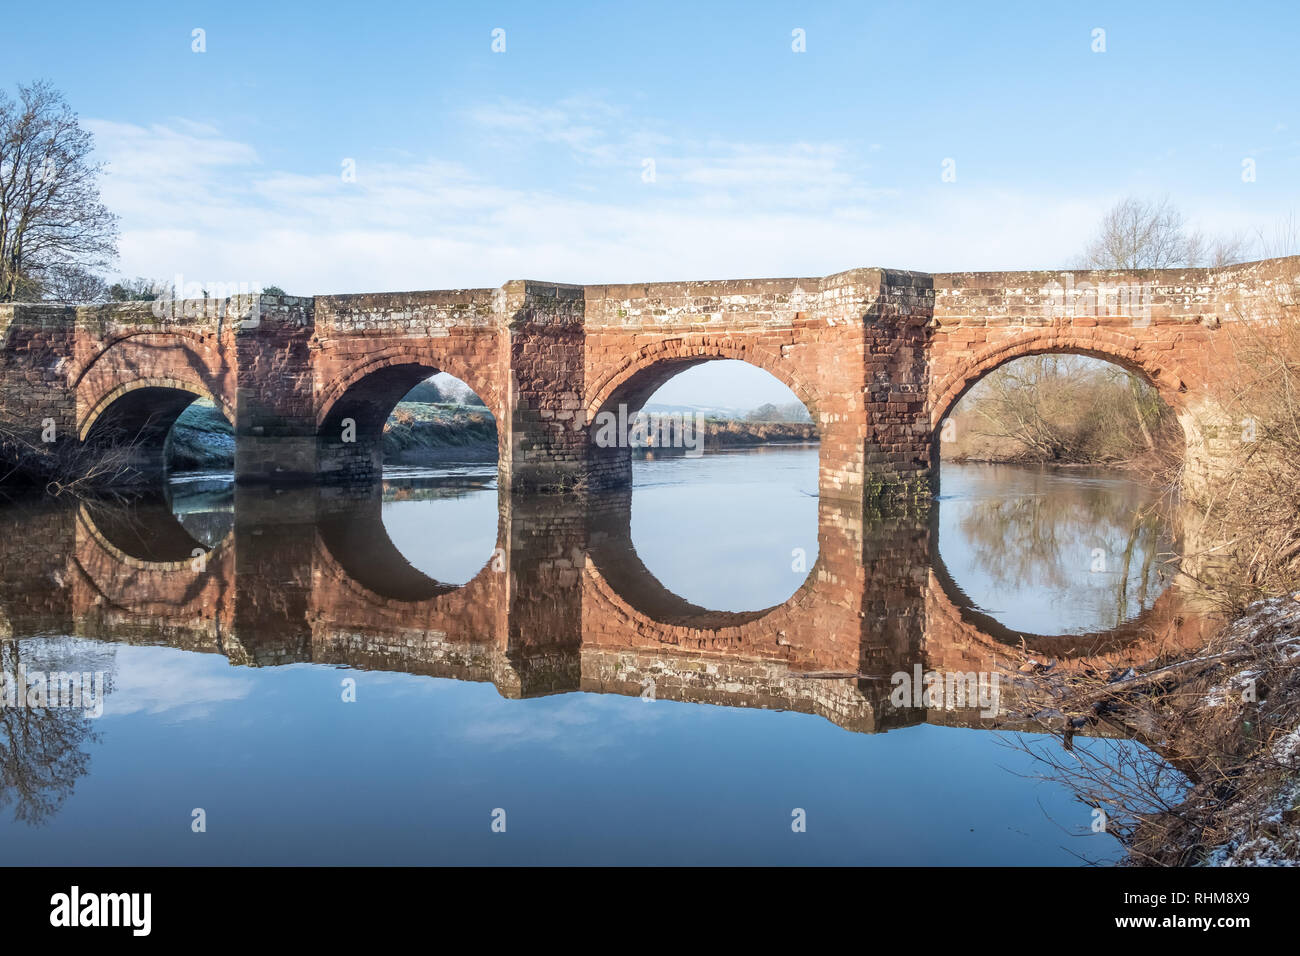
36, 352
878, 356
1174, 327
543, 439
275, 399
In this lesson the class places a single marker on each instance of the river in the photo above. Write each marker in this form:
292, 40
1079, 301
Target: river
703, 670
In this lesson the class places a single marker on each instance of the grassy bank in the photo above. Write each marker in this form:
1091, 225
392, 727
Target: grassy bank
420, 433
738, 433
417, 433
201, 440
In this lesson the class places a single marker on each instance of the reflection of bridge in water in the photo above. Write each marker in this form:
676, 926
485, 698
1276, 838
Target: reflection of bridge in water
563, 604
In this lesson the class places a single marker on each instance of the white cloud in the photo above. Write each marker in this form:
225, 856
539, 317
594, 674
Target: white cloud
196, 202
185, 686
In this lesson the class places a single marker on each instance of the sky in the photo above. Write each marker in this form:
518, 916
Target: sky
339, 147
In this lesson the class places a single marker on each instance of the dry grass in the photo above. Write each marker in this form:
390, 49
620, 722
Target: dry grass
1062, 409
1218, 778
1252, 515
64, 467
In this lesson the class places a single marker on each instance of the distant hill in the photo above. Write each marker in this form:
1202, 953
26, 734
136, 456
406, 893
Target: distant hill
793, 412
709, 411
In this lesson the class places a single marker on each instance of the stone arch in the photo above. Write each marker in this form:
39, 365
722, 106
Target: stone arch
639, 375
130, 391
406, 364
157, 409
1122, 350
367, 394
202, 345
126, 428
1106, 345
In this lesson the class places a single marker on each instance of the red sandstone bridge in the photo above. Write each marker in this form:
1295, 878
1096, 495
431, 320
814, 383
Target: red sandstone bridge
879, 357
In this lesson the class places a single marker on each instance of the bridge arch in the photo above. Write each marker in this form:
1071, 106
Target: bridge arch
147, 407
638, 376
1119, 349
177, 358
634, 379
130, 392
366, 396
201, 353
1103, 344
388, 369
127, 428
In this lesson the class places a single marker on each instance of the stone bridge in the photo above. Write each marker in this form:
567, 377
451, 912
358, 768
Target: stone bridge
879, 357
564, 604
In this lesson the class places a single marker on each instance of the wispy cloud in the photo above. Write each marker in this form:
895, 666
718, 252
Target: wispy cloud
195, 201
183, 686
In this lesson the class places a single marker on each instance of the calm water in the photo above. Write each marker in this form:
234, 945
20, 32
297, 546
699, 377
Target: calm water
668, 676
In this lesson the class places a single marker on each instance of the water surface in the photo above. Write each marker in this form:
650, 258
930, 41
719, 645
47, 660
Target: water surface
668, 676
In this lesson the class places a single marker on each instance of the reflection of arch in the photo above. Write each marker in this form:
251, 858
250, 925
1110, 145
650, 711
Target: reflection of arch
143, 534
371, 609
138, 581
393, 372
634, 379
621, 570
819, 627
359, 543
988, 629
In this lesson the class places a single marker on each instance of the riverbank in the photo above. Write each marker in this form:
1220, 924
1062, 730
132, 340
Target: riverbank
428, 433
1140, 466
418, 433
1227, 721
421, 433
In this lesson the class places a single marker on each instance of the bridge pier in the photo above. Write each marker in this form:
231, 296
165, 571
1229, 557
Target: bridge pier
276, 431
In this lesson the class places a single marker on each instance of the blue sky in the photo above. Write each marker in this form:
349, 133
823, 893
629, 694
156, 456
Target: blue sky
474, 167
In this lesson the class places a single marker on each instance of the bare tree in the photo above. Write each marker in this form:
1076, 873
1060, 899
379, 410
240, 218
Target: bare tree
1140, 234
1223, 250
140, 290
1136, 234
1284, 240
55, 234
